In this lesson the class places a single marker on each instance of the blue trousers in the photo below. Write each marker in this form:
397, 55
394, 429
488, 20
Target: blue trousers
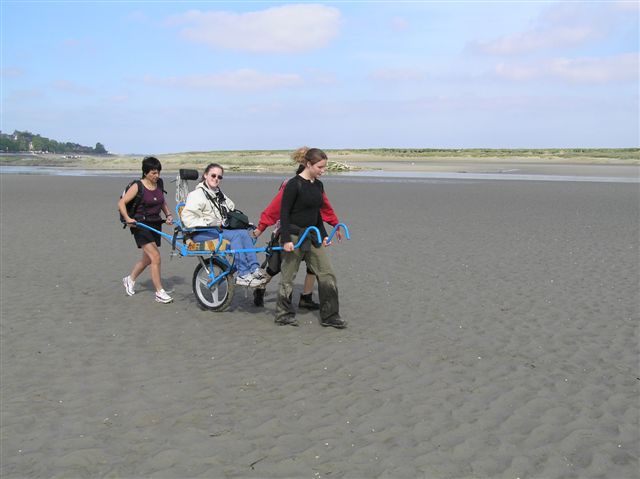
239, 239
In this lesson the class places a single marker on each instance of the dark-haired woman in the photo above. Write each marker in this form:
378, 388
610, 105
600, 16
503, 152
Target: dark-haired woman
149, 208
302, 199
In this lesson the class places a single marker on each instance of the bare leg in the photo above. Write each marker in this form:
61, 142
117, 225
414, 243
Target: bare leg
153, 253
309, 281
306, 298
140, 266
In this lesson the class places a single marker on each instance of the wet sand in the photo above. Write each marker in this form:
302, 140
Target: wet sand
493, 332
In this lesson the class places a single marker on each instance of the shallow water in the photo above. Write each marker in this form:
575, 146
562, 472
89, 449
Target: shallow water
369, 176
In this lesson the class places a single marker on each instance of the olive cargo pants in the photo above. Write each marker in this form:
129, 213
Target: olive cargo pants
318, 263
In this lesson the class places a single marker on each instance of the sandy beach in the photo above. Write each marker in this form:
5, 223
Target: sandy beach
493, 333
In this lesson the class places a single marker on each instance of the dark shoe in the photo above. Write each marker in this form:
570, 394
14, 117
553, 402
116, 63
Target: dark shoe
307, 302
258, 297
334, 322
287, 321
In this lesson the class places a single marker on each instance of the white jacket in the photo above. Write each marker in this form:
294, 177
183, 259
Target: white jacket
200, 211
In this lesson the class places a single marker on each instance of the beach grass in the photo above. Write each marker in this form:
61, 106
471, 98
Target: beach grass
339, 159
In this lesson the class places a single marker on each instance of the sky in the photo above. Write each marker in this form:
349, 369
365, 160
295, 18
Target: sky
153, 77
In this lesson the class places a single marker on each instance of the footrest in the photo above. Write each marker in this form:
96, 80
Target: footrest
209, 245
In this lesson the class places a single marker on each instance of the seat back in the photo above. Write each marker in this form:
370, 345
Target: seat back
178, 218
209, 245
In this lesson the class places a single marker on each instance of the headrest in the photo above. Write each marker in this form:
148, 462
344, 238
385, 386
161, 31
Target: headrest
188, 174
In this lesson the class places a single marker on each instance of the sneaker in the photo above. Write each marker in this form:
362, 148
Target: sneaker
287, 321
307, 302
129, 284
334, 322
163, 297
258, 297
261, 275
249, 280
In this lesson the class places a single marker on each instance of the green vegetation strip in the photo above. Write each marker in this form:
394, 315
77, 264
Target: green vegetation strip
339, 159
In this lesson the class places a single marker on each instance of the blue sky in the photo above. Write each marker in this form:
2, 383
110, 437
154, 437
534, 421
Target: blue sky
171, 76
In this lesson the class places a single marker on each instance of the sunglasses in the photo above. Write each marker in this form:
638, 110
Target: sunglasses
215, 176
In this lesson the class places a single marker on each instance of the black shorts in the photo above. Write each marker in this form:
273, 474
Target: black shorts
144, 236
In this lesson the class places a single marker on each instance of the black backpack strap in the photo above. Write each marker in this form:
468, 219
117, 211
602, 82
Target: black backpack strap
161, 185
137, 200
216, 203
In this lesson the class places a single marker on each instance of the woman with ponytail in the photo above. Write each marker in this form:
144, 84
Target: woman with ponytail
271, 216
302, 200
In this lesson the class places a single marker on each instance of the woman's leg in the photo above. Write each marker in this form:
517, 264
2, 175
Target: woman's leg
306, 297
309, 281
285, 314
153, 253
240, 239
319, 264
205, 236
139, 267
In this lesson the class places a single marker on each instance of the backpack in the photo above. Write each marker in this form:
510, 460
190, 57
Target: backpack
132, 206
231, 219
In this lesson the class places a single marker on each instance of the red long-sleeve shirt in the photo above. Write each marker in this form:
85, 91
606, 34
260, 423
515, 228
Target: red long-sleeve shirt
271, 213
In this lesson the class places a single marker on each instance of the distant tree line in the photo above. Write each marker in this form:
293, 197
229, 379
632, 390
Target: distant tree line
22, 141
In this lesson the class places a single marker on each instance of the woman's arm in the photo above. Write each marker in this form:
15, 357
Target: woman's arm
271, 214
327, 212
329, 215
167, 213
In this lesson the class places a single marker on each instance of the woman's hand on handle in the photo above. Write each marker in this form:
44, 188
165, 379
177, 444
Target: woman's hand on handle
288, 246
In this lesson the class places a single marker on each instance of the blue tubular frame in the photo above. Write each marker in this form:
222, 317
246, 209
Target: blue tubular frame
202, 256
221, 255
186, 252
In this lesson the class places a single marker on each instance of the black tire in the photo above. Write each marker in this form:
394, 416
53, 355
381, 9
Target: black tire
219, 297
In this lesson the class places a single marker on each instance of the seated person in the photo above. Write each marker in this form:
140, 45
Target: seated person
206, 206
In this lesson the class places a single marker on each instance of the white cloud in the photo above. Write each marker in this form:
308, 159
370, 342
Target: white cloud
554, 37
240, 80
285, 29
517, 72
394, 75
617, 68
597, 70
559, 26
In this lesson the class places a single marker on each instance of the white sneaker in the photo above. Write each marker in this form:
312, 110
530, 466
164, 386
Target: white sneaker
163, 297
129, 284
245, 280
249, 280
260, 274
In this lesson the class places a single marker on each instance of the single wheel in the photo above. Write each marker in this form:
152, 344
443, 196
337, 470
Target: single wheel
219, 296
